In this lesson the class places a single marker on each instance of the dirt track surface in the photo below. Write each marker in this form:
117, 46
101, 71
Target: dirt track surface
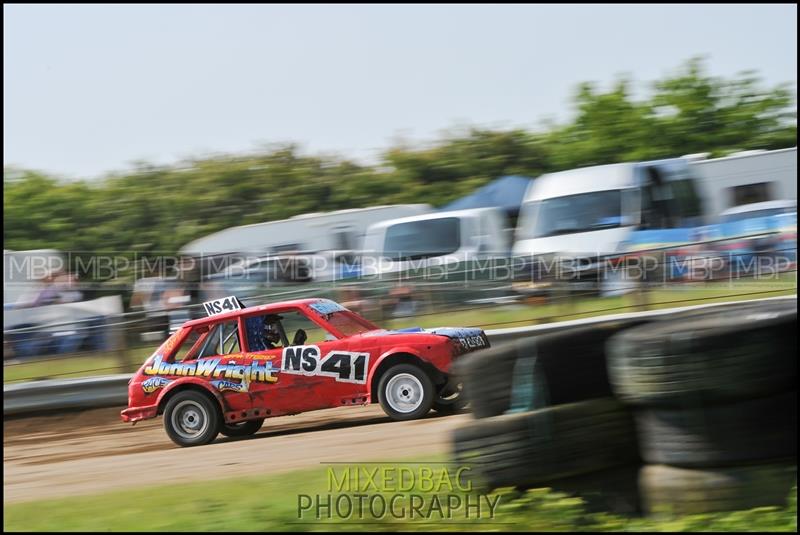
94, 451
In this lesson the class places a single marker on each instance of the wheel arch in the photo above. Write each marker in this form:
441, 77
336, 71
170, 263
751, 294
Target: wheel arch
196, 386
403, 356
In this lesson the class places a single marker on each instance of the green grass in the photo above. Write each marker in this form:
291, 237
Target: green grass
270, 503
489, 318
575, 308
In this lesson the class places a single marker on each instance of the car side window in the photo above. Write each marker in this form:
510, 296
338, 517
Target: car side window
284, 329
192, 344
264, 332
296, 322
222, 339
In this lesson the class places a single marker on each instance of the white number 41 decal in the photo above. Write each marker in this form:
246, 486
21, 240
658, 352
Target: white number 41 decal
343, 366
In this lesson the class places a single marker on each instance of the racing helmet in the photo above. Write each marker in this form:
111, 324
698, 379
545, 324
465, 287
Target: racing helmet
271, 332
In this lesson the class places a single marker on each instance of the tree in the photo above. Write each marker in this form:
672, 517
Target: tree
159, 209
696, 112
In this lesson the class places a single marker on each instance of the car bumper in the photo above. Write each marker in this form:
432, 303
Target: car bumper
134, 414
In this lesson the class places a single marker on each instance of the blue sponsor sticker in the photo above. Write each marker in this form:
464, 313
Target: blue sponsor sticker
154, 383
229, 386
326, 306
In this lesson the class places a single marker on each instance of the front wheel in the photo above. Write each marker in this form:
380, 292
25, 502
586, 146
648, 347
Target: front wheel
191, 419
450, 400
406, 392
242, 429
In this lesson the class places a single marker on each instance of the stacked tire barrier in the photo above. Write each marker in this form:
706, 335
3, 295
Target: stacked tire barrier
690, 412
545, 416
714, 396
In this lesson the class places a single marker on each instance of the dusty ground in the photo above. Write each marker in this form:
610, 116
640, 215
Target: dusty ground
94, 451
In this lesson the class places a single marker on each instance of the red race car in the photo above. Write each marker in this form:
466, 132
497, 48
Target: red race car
229, 371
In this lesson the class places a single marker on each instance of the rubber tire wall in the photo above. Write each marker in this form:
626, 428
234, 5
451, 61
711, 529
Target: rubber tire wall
724, 435
702, 357
547, 444
569, 365
670, 490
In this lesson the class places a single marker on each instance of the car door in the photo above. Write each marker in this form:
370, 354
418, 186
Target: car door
344, 368
214, 353
310, 372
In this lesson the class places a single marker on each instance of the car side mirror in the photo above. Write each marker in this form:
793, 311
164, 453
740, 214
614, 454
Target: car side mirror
299, 337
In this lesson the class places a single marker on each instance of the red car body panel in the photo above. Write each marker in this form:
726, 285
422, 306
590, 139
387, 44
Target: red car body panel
294, 379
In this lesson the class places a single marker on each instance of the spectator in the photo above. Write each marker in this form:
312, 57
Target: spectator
49, 294
57, 287
67, 284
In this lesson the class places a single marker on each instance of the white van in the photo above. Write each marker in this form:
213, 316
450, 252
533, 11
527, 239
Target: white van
434, 239
594, 210
585, 213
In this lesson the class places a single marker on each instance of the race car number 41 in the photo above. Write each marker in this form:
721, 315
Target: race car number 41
219, 306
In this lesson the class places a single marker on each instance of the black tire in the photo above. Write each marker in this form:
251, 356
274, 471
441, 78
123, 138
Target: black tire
707, 356
539, 371
397, 383
188, 410
242, 429
723, 435
535, 447
486, 376
679, 491
450, 400
613, 490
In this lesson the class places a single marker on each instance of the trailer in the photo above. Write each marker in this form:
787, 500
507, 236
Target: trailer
745, 178
340, 230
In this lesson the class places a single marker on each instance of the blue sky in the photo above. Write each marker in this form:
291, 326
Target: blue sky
90, 89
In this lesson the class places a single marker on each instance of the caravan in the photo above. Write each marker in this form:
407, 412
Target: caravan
328, 240
746, 177
339, 230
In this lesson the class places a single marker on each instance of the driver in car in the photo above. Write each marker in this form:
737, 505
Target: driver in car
271, 334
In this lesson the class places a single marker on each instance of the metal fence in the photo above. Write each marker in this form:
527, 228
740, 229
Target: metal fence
472, 290
111, 390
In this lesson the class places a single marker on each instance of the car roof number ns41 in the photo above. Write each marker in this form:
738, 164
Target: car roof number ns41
220, 306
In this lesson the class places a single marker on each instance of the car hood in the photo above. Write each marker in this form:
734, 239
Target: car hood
469, 338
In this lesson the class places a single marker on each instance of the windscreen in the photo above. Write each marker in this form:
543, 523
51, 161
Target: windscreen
340, 318
349, 324
422, 239
571, 214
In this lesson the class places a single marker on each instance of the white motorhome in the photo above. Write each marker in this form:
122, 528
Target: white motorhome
339, 230
746, 177
435, 239
593, 210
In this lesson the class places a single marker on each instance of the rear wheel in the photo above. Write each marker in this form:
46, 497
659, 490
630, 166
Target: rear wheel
406, 392
191, 419
242, 429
